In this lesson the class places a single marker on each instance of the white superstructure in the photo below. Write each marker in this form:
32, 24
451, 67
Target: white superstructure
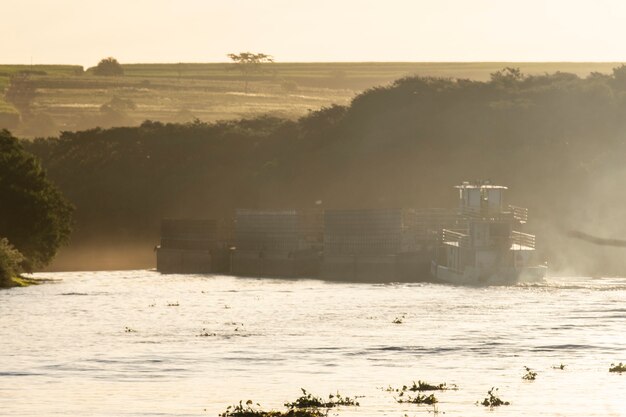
488, 251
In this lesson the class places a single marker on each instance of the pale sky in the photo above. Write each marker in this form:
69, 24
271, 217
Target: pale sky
84, 31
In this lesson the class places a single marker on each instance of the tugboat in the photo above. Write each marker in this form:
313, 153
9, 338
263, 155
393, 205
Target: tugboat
488, 251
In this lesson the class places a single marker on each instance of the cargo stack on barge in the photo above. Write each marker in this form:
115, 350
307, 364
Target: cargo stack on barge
361, 244
277, 243
381, 244
193, 246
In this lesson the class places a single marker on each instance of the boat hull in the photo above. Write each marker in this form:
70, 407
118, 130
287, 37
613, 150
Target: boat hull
496, 276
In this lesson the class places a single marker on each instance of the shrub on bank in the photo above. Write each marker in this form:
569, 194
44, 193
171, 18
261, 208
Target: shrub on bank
10, 260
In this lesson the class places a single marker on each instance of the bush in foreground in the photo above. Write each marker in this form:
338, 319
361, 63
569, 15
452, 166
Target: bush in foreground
10, 260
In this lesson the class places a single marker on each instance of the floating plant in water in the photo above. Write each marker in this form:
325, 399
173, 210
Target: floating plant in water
308, 400
421, 386
619, 368
425, 386
399, 319
493, 400
561, 367
530, 375
253, 410
204, 333
418, 399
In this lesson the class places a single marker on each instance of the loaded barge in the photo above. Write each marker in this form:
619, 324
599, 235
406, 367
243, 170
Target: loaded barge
474, 244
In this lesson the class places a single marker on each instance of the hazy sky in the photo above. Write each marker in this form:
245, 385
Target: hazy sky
83, 31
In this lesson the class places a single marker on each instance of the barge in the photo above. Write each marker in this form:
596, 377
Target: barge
474, 244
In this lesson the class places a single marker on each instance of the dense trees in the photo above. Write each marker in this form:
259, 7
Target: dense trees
34, 216
559, 142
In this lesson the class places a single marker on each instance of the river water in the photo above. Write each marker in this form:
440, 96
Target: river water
66, 348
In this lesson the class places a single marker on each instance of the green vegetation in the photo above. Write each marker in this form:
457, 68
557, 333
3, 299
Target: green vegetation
108, 67
419, 387
530, 375
34, 216
425, 386
400, 145
422, 386
249, 410
20, 93
6, 107
492, 400
10, 263
249, 63
19, 281
417, 399
307, 400
71, 98
9, 116
306, 405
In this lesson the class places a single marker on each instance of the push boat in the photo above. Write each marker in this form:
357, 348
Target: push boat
488, 251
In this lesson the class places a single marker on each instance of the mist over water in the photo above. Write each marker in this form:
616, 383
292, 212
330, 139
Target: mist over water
66, 351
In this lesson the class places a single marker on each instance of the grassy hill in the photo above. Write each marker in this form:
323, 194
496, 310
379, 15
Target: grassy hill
69, 98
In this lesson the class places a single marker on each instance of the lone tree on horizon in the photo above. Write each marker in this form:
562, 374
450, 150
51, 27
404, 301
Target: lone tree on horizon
108, 67
249, 63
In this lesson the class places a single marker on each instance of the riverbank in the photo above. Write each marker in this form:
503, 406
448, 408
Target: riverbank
19, 281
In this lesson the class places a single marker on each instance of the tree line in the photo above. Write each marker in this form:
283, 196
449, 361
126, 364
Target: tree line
35, 218
556, 139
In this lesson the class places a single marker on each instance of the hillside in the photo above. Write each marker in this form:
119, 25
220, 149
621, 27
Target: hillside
69, 98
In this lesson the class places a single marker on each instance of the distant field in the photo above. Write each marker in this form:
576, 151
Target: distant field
350, 72
70, 98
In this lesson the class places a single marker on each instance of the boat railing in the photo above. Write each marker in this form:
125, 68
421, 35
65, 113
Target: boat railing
519, 213
523, 239
462, 239
516, 213
485, 213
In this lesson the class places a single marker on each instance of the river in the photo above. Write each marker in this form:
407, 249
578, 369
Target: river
138, 343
